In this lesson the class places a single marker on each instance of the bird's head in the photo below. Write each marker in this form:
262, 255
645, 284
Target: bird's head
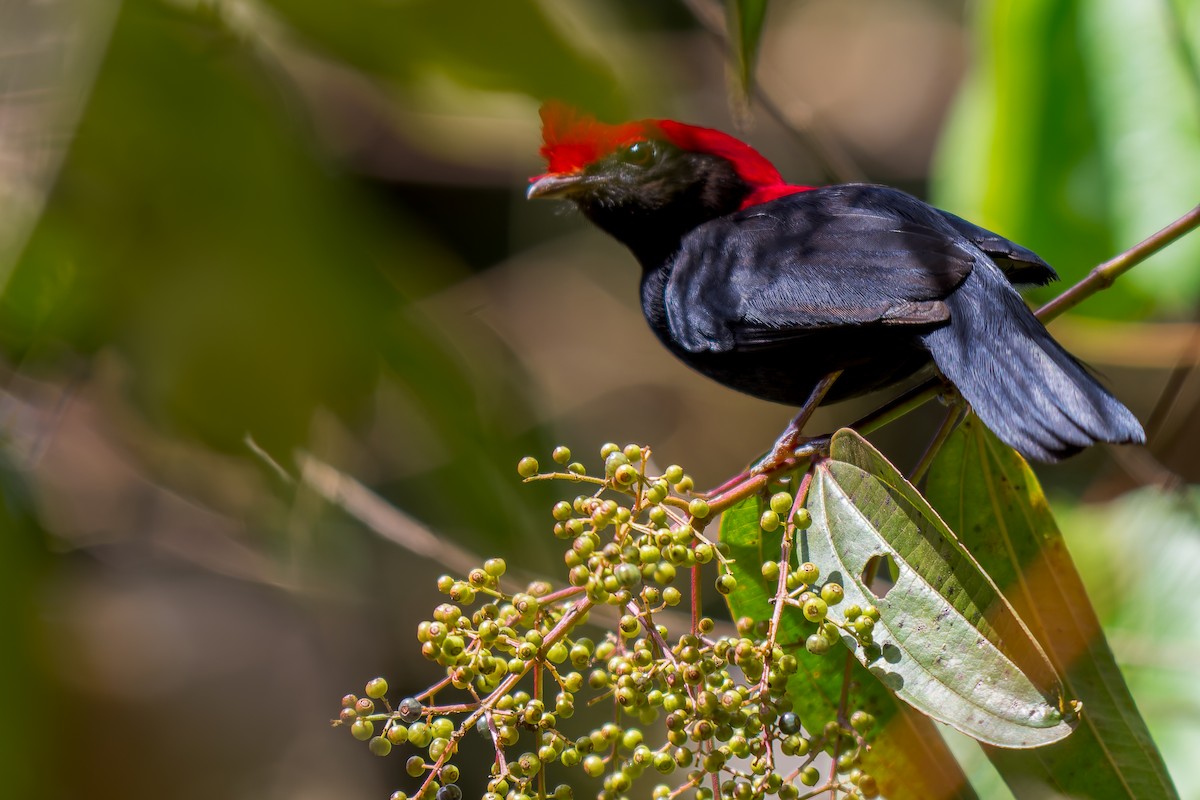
650, 181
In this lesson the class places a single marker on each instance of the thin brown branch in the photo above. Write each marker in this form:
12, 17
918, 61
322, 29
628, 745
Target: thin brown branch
954, 417
1107, 273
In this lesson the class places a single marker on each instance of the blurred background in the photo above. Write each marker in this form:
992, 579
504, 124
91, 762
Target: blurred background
241, 240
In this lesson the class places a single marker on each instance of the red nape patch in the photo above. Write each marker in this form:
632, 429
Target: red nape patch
765, 194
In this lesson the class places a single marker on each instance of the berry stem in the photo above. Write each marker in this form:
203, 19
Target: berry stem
561, 628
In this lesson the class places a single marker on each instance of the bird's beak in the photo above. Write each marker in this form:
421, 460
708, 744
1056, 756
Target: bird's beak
555, 185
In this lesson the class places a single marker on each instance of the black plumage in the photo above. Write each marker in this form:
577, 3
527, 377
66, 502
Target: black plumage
770, 297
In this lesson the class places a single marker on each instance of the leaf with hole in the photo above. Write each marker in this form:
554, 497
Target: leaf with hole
947, 642
907, 756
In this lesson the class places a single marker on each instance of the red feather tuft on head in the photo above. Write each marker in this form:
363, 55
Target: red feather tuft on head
571, 141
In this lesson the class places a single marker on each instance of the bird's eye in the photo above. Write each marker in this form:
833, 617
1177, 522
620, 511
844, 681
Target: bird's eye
639, 153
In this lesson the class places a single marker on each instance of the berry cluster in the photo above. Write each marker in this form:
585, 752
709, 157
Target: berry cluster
520, 662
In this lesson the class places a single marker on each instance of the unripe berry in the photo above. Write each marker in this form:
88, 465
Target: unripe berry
527, 467
815, 610
362, 729
818, 645
832, 593
593, 766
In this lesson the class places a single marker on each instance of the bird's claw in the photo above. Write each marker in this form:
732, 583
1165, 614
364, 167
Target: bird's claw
792, 449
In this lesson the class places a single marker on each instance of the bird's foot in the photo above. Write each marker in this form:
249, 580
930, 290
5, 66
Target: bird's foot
793, 448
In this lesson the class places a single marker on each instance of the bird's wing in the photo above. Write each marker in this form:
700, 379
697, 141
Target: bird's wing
1020, 264
764, 277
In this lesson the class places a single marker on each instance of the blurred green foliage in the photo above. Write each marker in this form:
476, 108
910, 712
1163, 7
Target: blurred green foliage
1077, 133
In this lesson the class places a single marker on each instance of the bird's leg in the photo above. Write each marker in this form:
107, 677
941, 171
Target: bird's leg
791, 438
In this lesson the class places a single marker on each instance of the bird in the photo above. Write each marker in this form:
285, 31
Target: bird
807, 295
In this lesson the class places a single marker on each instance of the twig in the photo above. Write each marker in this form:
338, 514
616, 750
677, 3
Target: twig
380, 516
1106, 274
954, 417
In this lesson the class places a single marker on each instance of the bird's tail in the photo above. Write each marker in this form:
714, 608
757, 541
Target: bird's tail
1024, 386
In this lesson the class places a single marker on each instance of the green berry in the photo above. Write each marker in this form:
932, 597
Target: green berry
561, 454
698, 508
380, 746
815, 609
593, 766
769, 521
809, 776
674, 474
770, 570
781, 502
625, 474
818, 645
832, 593
495, 567
527, 467
861, 721
362, 729
726, 583
802, 519
808, 573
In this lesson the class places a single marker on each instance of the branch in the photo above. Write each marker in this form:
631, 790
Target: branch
1107, 273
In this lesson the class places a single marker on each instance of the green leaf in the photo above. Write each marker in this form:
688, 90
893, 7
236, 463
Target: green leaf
907, 756
947, 641
990, 495
746, 18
